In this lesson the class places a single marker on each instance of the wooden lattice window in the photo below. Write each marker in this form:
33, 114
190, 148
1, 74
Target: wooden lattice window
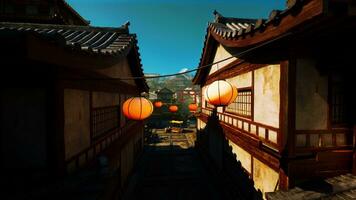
338, 104
104, 120
242, 105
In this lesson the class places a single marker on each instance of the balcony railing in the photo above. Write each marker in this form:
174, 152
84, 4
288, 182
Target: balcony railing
316, 140
270, 136
89, 154
305, 140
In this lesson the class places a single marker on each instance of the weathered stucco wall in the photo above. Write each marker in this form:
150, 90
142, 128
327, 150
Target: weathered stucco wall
242, 80
221, 54
311, 97
121, 69
243, 156
23, 128
266, 95
103, 99
76, 121
264, 177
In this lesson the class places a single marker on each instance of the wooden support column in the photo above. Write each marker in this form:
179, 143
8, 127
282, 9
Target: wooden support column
354, 154
286, 139
59, 132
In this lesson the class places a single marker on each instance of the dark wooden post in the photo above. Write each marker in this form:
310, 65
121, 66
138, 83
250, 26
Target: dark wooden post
354, 154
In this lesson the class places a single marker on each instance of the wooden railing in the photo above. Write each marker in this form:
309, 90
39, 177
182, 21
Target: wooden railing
316, 140
266, 134
89, 154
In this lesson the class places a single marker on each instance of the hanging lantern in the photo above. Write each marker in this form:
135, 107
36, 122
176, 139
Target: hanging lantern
193, 107
220, 93
158, 104
173, 108
137, 108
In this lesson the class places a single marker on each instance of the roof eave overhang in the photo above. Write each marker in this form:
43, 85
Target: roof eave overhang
285, 24
55, 52
273, 28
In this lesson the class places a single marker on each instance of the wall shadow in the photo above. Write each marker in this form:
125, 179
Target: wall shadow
215, 149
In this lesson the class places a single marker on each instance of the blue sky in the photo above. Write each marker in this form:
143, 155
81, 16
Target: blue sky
170, 32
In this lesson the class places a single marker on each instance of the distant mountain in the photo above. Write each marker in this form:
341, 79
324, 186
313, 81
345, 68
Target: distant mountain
174, 83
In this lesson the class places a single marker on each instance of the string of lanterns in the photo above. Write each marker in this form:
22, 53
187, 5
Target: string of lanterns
219, 93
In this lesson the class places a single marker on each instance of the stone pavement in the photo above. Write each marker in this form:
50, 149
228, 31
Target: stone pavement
170, 168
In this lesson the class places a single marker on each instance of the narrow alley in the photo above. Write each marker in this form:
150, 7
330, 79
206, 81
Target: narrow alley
170, 168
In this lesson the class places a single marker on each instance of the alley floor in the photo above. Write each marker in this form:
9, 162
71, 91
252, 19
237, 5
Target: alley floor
170, 168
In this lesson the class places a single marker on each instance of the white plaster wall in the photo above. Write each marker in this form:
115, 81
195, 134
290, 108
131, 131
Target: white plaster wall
242, 80
311, 97
76, 121
221, 54
243, 156
264, 177
266, 95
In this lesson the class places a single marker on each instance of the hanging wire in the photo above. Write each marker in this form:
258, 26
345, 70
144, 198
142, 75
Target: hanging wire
198, 68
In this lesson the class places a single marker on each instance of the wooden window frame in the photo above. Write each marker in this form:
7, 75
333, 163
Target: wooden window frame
103, 118
333, 124
244, 89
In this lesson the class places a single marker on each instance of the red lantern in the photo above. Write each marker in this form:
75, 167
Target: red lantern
193, 107
137, 108
220, 93
173, 108
158, 104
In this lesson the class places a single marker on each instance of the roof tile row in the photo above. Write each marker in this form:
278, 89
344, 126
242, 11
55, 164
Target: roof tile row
97, 40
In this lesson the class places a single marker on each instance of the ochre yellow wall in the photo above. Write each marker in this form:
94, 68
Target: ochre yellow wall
243, 156
242, 80
121, 69
266, 95
265, 178
311, 97
221, 54
76, 121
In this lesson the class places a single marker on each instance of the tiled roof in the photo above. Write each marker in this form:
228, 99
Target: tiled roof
89, 39
231, 27
235, 28
244, 33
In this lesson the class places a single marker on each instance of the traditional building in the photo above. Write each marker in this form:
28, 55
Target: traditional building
61, 93
165, 95
293, 118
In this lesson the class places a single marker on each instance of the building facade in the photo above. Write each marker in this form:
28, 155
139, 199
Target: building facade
61, 95
293, 118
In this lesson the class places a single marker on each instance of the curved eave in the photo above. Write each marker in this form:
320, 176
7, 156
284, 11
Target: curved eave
138, 70
278, 24
206, 58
